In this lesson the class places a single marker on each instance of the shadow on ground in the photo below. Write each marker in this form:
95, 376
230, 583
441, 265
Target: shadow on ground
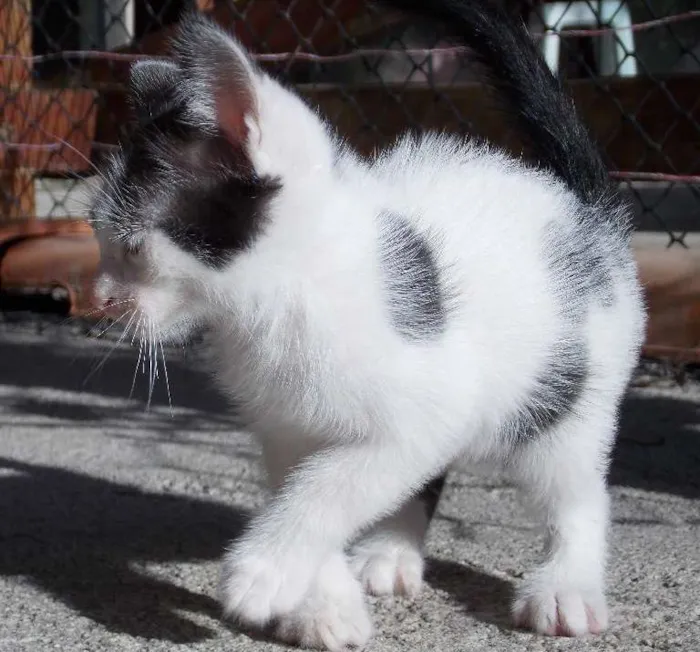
486, 597
82, 539
658, 448
67, 363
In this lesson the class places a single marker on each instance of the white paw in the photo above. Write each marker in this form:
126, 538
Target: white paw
387, 566
255, 589
333, 616
561, 611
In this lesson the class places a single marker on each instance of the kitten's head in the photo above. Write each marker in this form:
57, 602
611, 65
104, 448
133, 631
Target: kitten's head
214, 144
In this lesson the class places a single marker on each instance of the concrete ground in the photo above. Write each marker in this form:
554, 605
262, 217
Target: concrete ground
113, 518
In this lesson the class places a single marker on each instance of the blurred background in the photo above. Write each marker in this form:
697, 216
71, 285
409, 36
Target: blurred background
633, 67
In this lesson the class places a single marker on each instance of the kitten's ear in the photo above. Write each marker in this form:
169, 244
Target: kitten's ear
154, 88
220, 78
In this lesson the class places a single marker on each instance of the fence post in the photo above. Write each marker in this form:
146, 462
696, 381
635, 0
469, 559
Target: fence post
16, 184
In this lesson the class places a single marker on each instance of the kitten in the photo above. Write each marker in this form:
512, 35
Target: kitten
376, 319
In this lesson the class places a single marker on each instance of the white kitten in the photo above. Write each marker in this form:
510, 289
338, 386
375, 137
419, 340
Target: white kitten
375, 319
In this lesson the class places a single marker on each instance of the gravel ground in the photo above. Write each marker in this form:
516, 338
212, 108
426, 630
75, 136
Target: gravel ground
114, 517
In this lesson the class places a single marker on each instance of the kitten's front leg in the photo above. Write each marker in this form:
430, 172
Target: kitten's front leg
333, 614
325, 501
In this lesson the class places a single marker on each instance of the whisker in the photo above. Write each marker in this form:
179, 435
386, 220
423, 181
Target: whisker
114, 347
90, 332
138, 361
137, 330
96, 327
94, 330
152, 365
75, 150
92, 312
109, 182
167, 380
108, 328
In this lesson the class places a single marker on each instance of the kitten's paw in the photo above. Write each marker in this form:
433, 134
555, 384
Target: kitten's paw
255, 589
389, 567
561, 611
333, 616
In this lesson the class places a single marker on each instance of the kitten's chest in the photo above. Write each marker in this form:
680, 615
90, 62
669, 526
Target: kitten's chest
289, 378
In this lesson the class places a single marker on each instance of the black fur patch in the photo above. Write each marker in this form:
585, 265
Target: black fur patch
557, 390
213, 221
193, 185
185, 169
430, 495
416, 295
154, 89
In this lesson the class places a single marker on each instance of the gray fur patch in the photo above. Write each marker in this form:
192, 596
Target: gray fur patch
580, 258
557, 390
580, 263
416, 294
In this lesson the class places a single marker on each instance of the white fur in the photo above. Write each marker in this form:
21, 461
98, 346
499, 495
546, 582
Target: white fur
333, 614
353, 418
389, 559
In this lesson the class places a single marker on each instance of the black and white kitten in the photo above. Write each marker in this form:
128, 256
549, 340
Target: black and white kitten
376, 319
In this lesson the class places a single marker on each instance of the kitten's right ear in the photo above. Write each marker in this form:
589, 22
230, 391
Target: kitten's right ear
154, 88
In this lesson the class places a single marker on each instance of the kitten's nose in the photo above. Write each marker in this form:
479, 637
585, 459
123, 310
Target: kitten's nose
112, 307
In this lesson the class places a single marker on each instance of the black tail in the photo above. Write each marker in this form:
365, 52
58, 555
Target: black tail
544, 112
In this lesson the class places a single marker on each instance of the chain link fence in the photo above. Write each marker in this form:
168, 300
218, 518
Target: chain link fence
633, 67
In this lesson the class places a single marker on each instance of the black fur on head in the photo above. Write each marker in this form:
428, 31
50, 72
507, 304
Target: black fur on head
186, 168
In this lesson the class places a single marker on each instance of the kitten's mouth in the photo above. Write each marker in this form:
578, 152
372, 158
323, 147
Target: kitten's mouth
138, 330
115, 308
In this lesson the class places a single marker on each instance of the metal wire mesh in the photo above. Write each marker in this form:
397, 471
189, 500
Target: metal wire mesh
632, 65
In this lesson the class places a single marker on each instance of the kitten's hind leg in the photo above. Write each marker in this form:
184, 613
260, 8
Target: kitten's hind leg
564, 474
388, 560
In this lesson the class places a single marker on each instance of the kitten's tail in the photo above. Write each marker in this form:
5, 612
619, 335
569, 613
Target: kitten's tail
529, 91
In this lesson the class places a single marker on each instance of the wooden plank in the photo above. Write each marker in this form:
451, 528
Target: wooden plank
671, 279
46, 117
39, 254
40, 228
67, 261
16, 186
16, 39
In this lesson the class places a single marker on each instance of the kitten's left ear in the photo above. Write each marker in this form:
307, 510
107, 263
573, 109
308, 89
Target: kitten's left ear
219, 78
154, 88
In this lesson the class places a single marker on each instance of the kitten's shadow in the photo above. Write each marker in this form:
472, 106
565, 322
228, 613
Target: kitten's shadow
485, 597
86, 540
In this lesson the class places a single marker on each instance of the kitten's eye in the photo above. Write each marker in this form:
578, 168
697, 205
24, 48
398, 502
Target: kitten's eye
131, 249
